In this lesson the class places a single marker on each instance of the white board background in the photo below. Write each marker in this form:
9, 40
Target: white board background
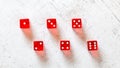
101, 21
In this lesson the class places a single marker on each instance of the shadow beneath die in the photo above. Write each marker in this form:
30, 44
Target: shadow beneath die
55, 33
68, 55
96, 55
42, 55
28, 33
81, 33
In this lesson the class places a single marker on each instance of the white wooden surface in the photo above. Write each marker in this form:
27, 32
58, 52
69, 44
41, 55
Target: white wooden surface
101, 21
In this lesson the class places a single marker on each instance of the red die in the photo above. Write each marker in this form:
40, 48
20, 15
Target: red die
92, 45
51, 23
38, 45
65, 45
24, 23
76, 23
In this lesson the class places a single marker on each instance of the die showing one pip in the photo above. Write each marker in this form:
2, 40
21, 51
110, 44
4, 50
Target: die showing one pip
24, 23
38, 45
65, 45
76, 23
51, 23
92, 45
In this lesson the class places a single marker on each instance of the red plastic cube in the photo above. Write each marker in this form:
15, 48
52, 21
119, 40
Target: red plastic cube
76, 23
92, 45
24, 23
38, 45
65, 45
51, 23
